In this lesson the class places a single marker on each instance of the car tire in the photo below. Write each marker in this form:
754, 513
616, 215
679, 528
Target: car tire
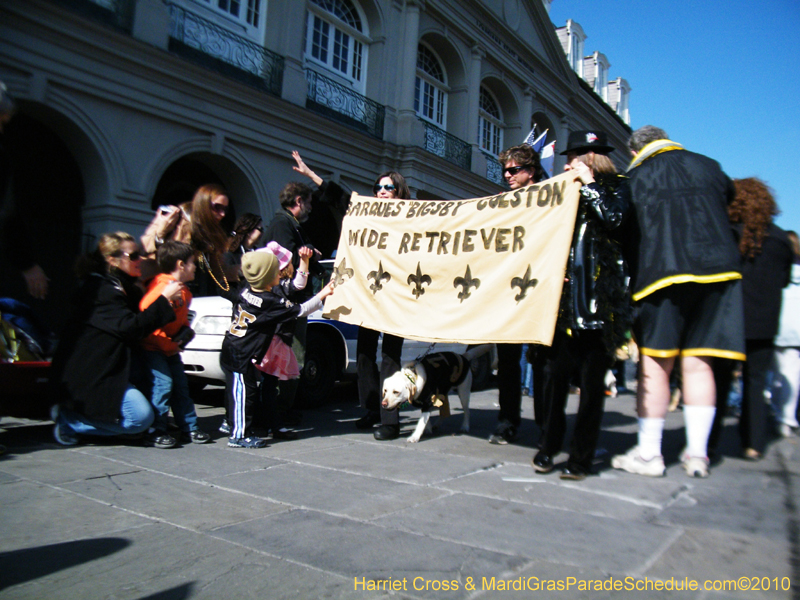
319, 373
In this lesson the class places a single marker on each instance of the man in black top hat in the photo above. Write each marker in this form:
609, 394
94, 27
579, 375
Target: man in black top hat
594, 314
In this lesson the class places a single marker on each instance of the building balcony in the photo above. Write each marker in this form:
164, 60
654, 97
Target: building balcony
494, 170
339, 103
449, 147
206, 43
116, 13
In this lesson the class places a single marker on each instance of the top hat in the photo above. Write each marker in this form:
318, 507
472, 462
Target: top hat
584, 141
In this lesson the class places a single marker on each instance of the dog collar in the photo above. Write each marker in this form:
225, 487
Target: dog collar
412, 377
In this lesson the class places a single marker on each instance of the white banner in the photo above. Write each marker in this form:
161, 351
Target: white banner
471, 271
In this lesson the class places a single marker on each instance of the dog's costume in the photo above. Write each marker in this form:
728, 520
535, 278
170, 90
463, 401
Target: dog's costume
443, 371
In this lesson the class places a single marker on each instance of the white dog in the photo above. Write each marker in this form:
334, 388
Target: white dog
425, 383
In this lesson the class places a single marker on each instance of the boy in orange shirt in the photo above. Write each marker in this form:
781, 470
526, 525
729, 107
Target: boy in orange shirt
162, 351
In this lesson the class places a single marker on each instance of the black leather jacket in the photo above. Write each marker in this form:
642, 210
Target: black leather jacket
596, 294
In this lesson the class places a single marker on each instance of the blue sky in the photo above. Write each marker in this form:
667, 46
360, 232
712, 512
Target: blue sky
722, 77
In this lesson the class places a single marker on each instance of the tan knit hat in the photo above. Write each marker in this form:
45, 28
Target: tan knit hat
259, 269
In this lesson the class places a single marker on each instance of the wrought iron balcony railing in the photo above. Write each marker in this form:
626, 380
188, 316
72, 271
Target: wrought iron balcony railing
117, 13
207, 43
494, 170
449, 147
339, 103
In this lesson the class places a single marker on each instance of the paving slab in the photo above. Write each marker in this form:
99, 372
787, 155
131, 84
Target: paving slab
193, 461
599, 495
536, 532
396, 462
333, 491
160, 561
36, 514
182, 502
366, 551
704, 554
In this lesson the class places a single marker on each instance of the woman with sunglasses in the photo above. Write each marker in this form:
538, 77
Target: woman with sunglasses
198, 223
389, 186
92, 368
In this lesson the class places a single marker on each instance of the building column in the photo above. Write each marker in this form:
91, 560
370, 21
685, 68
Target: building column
151, 23
409, 131
284, 20
473, 106
526, 111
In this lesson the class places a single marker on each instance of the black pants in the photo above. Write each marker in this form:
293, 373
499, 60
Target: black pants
753, 422
509, 388
241, 397
370, 381
585, 353
536, 358
287, 389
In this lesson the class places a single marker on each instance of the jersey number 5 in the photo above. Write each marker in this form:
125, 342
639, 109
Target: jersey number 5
240, 323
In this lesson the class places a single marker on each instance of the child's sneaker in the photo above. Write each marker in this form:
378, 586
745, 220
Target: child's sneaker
248, 442
62, 434
632, 462
159, 439
195, 436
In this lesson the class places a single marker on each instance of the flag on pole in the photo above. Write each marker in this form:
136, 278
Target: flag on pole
534, 142
547, 157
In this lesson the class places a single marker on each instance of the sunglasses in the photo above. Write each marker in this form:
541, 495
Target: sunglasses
132, 256
514, 170
378, 187
219, 208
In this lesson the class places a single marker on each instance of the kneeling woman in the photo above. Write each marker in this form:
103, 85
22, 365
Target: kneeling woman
91, 369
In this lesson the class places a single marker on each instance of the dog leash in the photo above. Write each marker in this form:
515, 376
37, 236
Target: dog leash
428, 351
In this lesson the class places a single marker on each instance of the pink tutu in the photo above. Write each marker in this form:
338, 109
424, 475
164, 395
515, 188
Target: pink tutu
279, 361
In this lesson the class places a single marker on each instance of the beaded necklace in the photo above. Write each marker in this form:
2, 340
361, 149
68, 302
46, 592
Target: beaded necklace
207, 263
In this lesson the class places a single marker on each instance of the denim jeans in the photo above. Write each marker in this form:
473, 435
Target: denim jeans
170, 389
136, 415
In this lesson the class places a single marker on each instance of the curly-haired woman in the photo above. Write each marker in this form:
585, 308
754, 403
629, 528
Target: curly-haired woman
767, 259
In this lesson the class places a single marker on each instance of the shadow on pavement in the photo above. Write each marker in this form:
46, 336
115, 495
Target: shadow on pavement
28, 564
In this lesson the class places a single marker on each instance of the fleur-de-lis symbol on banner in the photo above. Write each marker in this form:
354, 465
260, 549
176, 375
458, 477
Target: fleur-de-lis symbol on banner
340, 272
418, 279
523, 283
466, 282
379, 277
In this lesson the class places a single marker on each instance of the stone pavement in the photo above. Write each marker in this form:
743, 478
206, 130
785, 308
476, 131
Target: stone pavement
337, 514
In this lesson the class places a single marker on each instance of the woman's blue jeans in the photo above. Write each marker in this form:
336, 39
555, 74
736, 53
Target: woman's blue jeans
136, 416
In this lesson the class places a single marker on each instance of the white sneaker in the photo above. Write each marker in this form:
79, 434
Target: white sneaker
785, 430
632, 462
695, 466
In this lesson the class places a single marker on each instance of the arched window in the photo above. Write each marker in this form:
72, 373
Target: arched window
490, 123
335, 39
430, 97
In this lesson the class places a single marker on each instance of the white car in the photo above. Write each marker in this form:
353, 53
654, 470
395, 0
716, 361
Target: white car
330, 351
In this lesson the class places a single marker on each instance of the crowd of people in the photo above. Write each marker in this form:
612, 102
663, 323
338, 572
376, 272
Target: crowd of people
673, 254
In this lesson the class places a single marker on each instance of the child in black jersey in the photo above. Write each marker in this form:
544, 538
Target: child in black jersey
256, 315
280, 363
